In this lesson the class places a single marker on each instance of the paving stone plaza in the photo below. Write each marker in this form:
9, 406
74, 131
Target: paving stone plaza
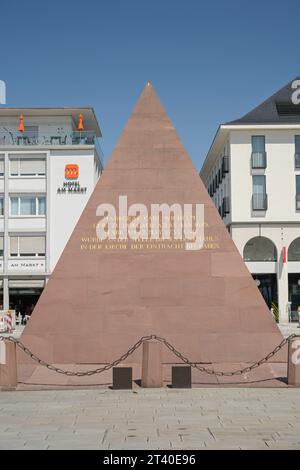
210, 418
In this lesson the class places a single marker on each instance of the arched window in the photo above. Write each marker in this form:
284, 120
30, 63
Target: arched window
260, 249
294, 250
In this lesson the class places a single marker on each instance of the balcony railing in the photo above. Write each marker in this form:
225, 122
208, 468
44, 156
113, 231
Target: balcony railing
297, 202
216, 182
225, 165
259, 202
297, 160
219, 176
30, 138
259, 160
225, 206
33, 138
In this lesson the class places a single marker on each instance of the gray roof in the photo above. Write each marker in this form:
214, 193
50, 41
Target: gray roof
279, 109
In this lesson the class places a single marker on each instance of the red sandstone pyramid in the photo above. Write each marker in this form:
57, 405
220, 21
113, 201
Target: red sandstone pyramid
99, 302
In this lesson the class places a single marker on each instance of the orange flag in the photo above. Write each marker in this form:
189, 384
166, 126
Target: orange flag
21, 123
80, 123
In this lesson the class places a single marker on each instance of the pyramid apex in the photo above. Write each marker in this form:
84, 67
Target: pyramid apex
149, 101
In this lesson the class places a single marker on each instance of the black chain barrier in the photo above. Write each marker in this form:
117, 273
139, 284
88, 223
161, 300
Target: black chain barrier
137, 345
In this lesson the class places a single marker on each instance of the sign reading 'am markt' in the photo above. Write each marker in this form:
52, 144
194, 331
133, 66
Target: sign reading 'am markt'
70, 187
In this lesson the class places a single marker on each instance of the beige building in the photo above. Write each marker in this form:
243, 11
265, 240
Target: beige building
252, 173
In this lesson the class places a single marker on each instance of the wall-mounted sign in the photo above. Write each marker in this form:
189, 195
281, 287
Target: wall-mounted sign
284, 254
71, 171
26, 265
71, 187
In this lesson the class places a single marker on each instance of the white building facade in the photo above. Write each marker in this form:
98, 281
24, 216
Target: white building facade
252, 172
48, 171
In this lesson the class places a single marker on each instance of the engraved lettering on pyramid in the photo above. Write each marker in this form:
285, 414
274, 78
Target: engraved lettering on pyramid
100, 300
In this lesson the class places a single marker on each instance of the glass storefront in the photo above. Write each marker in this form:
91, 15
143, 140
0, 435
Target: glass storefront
294, 294
267, 285
23, 295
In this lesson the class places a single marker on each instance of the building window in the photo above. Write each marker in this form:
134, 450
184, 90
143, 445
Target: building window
297, 192
225, 206
27, 246
219, 176
258, 156
260, 249
1, 206
297, 151
259, 197
216, 181
225, 165
28, 206
1, 167
1, 247
294, 250
27, 167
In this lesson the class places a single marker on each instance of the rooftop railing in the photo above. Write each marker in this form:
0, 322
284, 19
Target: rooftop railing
34, 138
8, 137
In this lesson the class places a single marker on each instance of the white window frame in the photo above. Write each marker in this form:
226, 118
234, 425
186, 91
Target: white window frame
2, 159
25, 157
2, 197
2, 236
18, 255
29, 196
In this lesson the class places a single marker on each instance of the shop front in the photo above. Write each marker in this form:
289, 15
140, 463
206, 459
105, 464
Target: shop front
24, 294
267, 285
294, 295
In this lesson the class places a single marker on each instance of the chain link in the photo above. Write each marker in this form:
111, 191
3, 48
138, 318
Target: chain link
226, 374
72, 373
136, 346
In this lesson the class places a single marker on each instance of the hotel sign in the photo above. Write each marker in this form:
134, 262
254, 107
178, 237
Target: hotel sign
70, 186
71, 171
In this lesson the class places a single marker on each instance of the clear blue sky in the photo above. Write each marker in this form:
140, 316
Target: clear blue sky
210, 61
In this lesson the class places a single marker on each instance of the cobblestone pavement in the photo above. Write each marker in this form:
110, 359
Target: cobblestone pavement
151, 419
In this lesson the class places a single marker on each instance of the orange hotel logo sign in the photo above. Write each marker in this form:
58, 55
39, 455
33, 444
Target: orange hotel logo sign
71, 171
71, 185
